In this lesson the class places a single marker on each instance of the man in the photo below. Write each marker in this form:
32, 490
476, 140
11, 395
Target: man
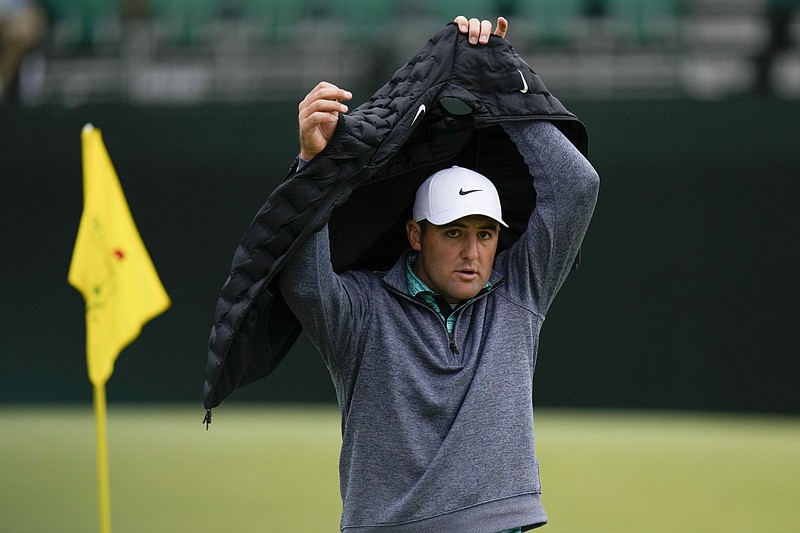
433, 361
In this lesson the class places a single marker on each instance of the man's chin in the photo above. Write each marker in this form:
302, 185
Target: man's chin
467, 291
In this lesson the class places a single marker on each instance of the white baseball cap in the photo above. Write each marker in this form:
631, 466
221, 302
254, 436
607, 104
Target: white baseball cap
456, 192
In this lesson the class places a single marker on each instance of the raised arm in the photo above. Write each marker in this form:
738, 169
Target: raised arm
567, 187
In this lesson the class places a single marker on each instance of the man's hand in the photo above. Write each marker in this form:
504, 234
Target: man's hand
479, 30
317, 117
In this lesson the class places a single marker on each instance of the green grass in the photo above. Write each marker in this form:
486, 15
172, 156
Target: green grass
274, 469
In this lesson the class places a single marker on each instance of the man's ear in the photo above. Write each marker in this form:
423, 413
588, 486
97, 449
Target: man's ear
414, 232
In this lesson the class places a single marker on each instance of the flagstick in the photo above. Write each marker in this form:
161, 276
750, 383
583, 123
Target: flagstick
109, 256
104, 498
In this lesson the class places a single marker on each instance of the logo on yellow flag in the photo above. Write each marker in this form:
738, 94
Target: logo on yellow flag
110, 265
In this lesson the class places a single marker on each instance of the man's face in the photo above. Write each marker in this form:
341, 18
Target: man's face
455, 259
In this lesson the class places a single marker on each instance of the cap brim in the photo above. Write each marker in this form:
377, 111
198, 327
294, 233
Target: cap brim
446, 217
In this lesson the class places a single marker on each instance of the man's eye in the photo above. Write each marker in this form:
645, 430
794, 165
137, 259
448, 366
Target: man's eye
453, 233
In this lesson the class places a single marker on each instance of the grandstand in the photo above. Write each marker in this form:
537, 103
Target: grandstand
197, 51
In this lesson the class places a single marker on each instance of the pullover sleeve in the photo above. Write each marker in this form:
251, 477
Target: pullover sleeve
566, 188
327, 305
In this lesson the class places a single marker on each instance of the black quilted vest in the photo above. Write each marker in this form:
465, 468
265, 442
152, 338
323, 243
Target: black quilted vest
443, 108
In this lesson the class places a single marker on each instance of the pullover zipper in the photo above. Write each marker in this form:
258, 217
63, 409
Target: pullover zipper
450, 335
453, 347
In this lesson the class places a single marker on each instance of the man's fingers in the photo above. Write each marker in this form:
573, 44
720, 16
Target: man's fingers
321, 105
479, 31
324, 85
486, 30
327, 91
463, 24
325, 97
320, 117
474, 30
502, 27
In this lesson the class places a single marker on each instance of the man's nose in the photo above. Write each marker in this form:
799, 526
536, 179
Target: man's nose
471, 247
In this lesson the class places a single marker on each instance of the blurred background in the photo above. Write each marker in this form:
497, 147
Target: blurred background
76, 52
687, 297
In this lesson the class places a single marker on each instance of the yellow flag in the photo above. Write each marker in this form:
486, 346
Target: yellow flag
110, 265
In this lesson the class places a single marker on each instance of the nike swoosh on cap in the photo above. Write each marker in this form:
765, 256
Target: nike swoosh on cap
462, 192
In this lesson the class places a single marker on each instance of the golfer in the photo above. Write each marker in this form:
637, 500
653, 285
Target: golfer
433, 361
